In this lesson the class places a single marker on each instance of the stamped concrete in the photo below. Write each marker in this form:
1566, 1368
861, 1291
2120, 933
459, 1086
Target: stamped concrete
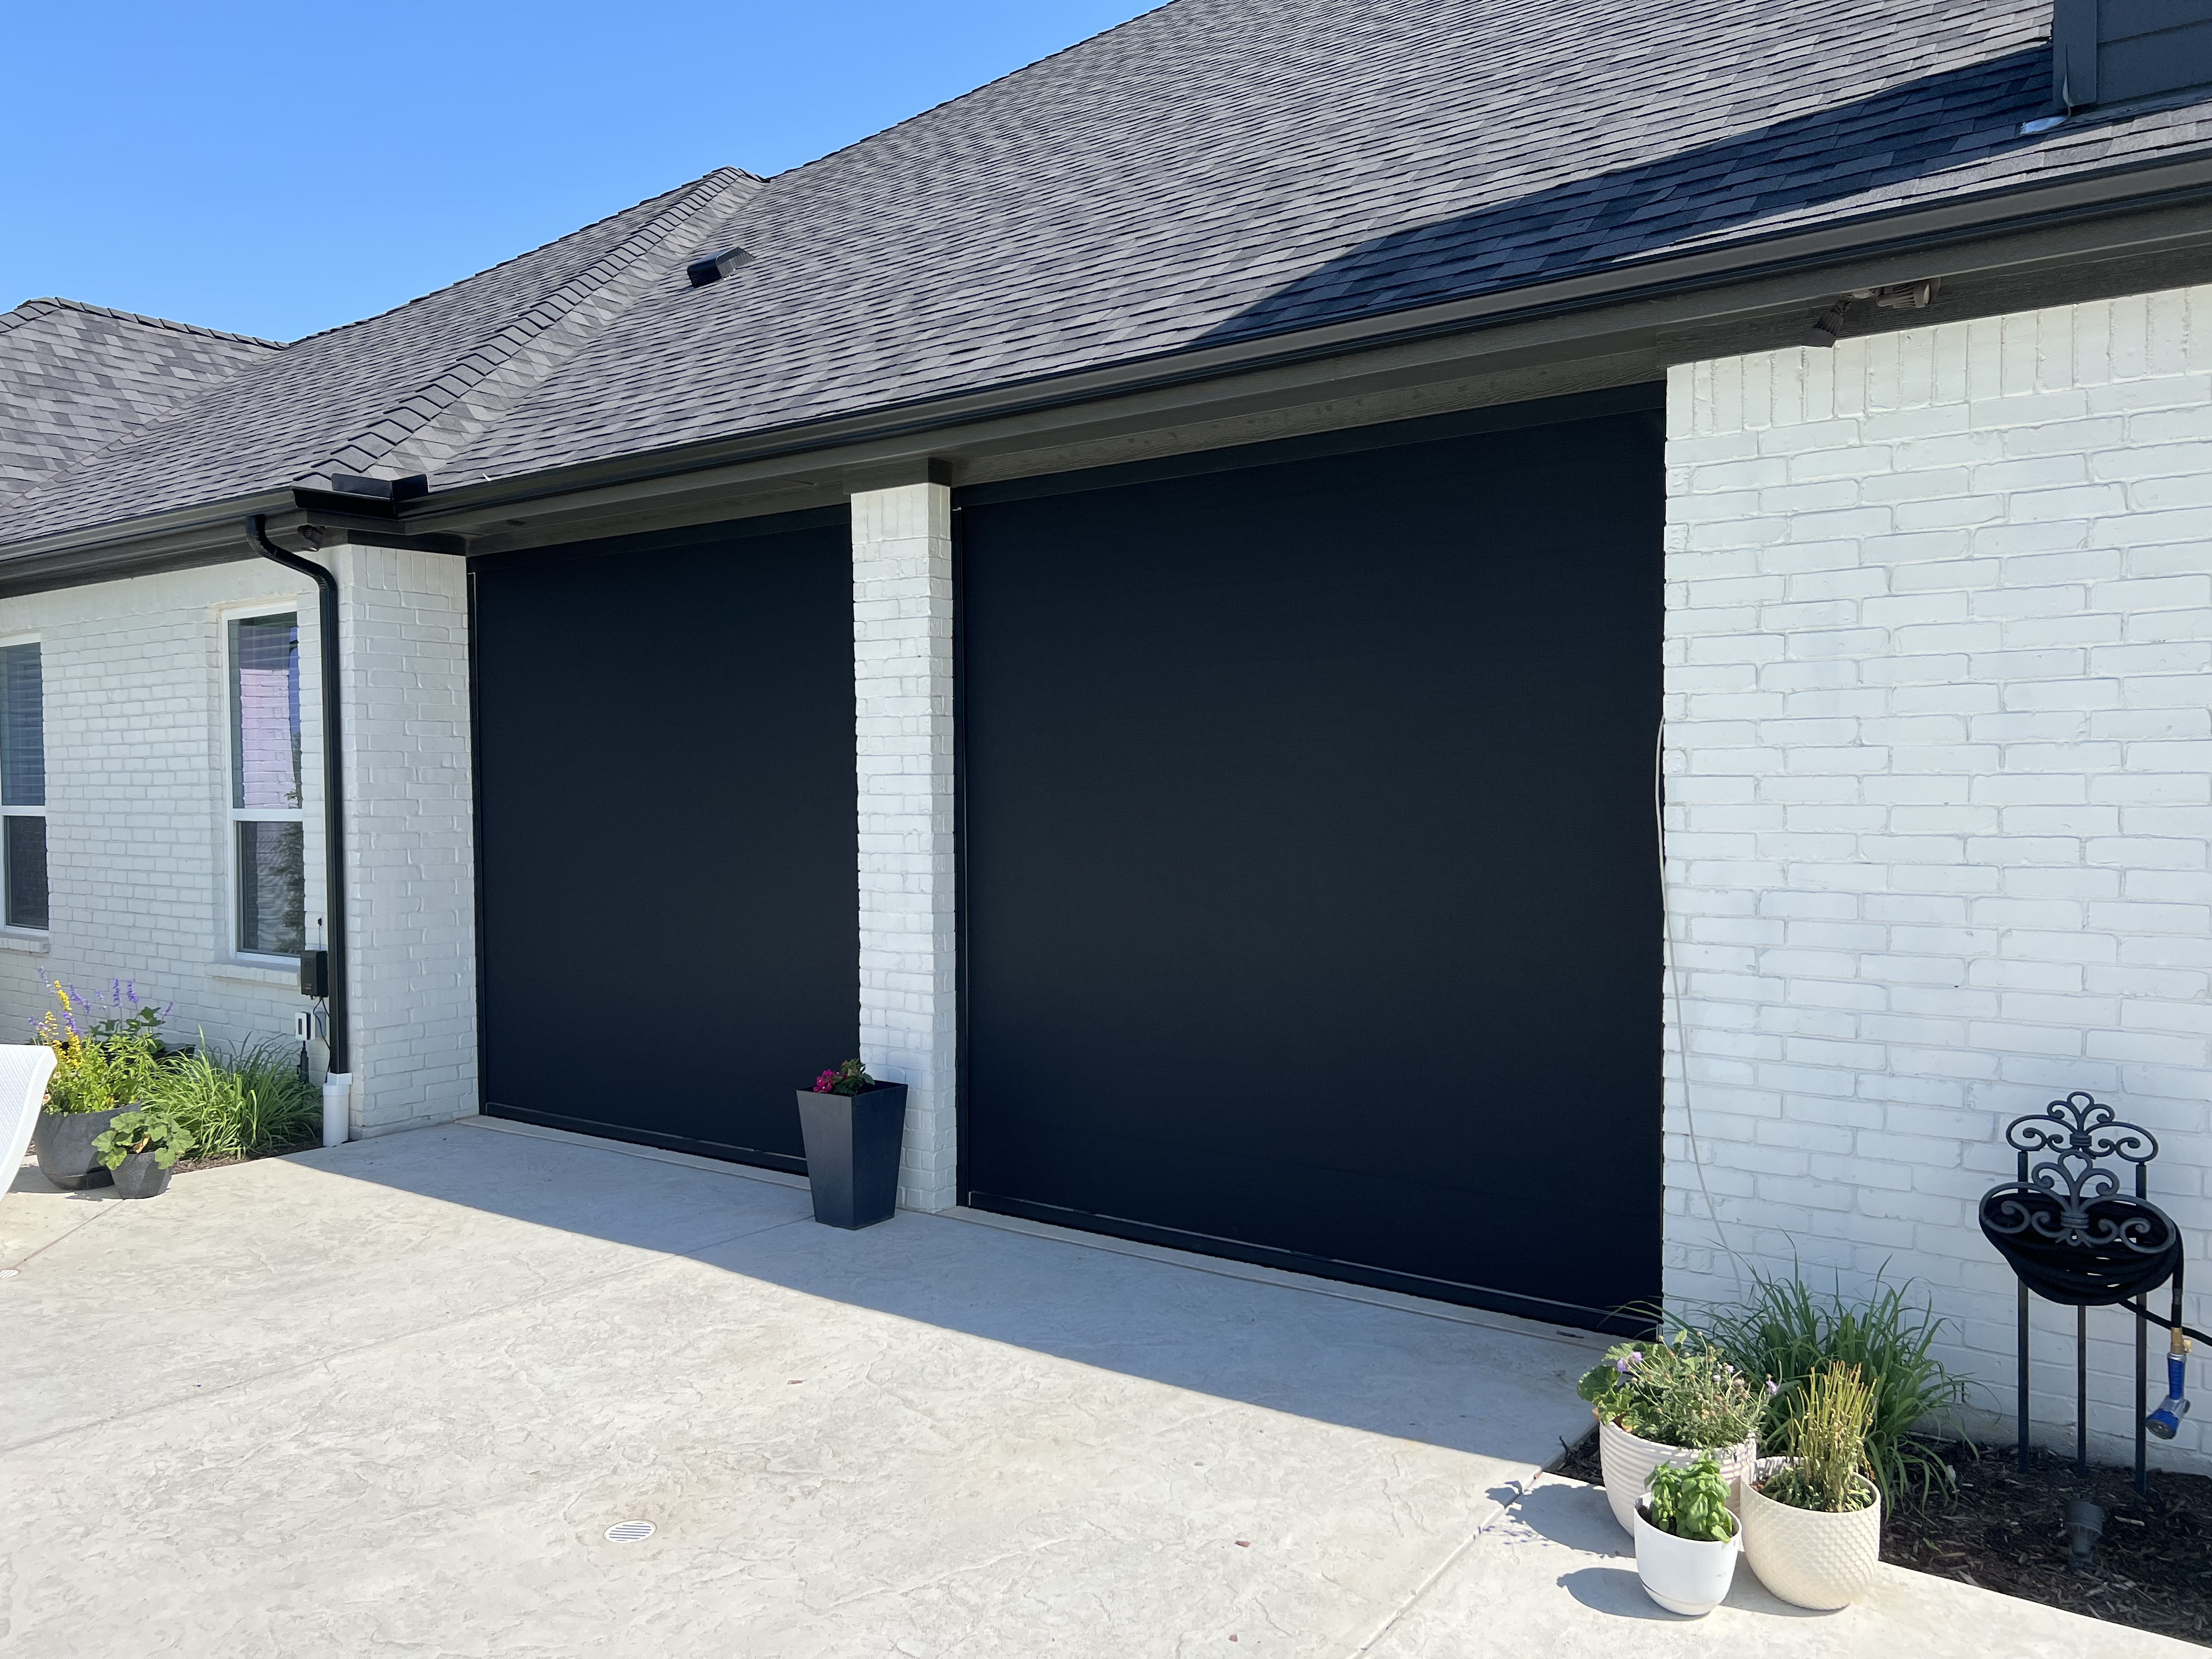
389, 1397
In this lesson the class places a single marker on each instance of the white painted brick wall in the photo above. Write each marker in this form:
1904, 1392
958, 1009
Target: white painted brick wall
1939, 757
136, 707
136, 792
902, 678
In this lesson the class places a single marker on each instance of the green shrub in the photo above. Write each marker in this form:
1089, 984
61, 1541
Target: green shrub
148, 1130
1828, 1439
1786, 1332
1691, 1503
100, 1063
1683, 1392
242, 1101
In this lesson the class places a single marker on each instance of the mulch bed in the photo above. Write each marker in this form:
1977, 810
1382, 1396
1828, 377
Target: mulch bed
2005, 1531
186, 1165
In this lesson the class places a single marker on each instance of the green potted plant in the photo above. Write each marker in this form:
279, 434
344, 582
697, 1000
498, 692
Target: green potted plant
1812, 1520
1686, 1539
1662, 1402
102, 1066
854, 1126
140, 1148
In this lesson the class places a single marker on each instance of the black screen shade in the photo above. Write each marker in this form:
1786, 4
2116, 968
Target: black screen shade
1311, 902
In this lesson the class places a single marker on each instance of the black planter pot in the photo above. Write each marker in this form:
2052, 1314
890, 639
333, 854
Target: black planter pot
139, 1176
64, 1142
852, 1153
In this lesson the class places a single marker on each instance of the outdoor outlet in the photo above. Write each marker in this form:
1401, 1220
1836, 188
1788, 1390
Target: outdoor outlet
303, 1027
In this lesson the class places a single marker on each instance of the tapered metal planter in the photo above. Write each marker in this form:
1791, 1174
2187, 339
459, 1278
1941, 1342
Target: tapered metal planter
852, 1153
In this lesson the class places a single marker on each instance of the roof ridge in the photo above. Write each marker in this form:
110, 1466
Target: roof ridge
725, 175
421, 407
47, 304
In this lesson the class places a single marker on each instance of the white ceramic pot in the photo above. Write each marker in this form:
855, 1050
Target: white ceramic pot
1682, 1575
1628, 1460
1805, 1557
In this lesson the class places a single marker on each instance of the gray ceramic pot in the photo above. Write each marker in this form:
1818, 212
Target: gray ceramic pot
139, 1176
64, 1141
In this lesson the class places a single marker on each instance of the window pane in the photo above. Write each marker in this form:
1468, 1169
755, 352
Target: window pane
26, 853
264, 711
22, 732
271, 894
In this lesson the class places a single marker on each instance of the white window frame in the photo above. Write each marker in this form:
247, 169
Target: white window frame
39, 812
235, 815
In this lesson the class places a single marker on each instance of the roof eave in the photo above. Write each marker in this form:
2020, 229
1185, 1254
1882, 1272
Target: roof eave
2088, 216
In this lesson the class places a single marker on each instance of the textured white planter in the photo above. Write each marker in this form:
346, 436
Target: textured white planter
1628, 1460
1683, 1576
1812, 1559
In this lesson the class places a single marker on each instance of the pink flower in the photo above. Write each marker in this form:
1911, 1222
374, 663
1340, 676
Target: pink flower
822, 1083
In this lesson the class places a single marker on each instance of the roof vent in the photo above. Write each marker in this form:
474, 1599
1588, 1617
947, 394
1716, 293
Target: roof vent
703, 271
2109, 52
383, 489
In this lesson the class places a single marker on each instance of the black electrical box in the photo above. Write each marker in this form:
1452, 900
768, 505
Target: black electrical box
315, 974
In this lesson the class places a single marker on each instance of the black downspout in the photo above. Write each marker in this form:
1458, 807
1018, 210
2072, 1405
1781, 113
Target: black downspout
333, 772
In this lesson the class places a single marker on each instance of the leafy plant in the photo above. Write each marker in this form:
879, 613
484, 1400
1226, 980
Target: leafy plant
1789, 1333
848, 1079
240, 1102
1692, 1502
1829, 1441
99, 1062
1683, 1392
148, 1129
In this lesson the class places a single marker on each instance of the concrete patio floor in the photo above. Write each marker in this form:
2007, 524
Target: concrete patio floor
388, 1398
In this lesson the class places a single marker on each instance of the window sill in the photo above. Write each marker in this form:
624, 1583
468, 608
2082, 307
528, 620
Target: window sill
14, 939
252, 973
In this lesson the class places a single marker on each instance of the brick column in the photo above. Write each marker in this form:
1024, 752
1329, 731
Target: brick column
410, 837
902, 682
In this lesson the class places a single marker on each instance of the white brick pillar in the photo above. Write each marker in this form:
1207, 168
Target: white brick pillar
410, 852
902, 684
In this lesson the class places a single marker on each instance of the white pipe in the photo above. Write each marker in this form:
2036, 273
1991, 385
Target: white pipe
337, 1100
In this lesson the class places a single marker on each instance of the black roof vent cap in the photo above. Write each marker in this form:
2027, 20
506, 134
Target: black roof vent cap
703, 271
384, 489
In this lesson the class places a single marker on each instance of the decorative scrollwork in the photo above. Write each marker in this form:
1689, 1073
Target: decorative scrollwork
2078, 1131
2098, 1221
2064, 1224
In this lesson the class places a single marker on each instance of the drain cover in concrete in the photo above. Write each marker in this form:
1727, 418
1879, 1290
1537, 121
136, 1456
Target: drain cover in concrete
629, 1532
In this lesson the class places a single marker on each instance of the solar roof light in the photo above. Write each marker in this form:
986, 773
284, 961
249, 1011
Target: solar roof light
703, 271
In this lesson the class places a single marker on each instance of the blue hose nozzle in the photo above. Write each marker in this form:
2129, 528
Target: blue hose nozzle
2166, 1421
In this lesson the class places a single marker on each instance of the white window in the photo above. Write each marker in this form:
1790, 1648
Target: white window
265, 826
22, 787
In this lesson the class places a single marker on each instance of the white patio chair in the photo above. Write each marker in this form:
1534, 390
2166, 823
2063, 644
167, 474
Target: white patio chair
24, 1069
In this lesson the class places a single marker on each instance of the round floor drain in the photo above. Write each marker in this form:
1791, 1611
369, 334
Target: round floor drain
629, 1532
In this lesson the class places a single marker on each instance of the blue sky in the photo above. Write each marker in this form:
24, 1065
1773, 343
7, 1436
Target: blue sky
278, 169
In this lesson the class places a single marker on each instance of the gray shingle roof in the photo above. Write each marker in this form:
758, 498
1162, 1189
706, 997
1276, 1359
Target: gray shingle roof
74, 378
349, 399
1214, 170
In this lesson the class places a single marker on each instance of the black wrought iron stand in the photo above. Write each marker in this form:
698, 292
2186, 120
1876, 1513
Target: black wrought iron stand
2072, 1236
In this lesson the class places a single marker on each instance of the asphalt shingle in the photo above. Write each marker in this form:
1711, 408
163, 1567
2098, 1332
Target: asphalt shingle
74, 378
1216, 170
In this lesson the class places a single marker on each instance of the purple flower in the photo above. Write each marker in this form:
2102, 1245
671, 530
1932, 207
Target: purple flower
1772, 1387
